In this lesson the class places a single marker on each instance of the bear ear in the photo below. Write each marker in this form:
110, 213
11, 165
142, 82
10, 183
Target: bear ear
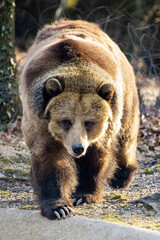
53, 87
42, 92
106, 91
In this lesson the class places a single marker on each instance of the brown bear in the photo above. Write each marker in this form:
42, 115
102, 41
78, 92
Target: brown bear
80, 116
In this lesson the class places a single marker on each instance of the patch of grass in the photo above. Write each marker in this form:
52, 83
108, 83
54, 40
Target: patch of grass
116, 196
86, 211
24, 174
155, 168
151, 226
11, 170
3, 160
123, 205
26, 207
4, 178
132, 220
5, 192
115, 217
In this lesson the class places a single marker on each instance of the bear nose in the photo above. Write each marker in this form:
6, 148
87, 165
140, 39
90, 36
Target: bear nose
78, 149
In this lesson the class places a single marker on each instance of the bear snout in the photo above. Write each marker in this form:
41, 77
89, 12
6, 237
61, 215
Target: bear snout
78, 149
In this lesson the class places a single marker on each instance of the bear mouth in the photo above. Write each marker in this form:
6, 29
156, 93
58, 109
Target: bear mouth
77, 153
77, 156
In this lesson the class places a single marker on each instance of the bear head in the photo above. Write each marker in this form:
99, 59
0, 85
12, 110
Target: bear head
76, 99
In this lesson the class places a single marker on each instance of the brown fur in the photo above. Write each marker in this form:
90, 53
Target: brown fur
78, 89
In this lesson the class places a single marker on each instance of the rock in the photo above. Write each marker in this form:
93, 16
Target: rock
24, 225
2, 176
151, 201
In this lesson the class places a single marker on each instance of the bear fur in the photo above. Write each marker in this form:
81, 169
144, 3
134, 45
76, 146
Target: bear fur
80, 115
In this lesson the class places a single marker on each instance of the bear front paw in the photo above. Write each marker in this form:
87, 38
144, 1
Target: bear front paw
57, 213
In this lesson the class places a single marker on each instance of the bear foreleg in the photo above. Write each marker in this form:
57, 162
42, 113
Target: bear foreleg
54, 182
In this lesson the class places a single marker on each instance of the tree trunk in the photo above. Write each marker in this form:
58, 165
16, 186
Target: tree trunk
8, 82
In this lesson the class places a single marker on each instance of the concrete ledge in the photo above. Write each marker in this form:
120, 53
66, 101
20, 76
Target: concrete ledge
27, 225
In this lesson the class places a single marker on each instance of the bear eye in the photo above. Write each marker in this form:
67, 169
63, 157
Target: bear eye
67, 124
89, 124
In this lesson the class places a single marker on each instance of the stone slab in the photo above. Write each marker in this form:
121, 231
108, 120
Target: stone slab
30, 225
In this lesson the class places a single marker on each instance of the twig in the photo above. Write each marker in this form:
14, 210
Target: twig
60, 10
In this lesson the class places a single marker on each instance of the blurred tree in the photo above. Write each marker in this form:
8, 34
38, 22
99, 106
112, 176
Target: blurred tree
8, 84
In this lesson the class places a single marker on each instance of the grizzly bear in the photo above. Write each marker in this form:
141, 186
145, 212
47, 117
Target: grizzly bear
80, 116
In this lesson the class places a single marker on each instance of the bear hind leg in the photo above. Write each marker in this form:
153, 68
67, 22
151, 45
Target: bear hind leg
127, 166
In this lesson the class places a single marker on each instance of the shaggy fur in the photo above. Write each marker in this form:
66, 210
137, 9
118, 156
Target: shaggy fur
80, 115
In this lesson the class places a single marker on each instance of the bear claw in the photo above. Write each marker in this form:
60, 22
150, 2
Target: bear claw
66, 209
87, 199
71, 210
79, 200
58, 213
63, 213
